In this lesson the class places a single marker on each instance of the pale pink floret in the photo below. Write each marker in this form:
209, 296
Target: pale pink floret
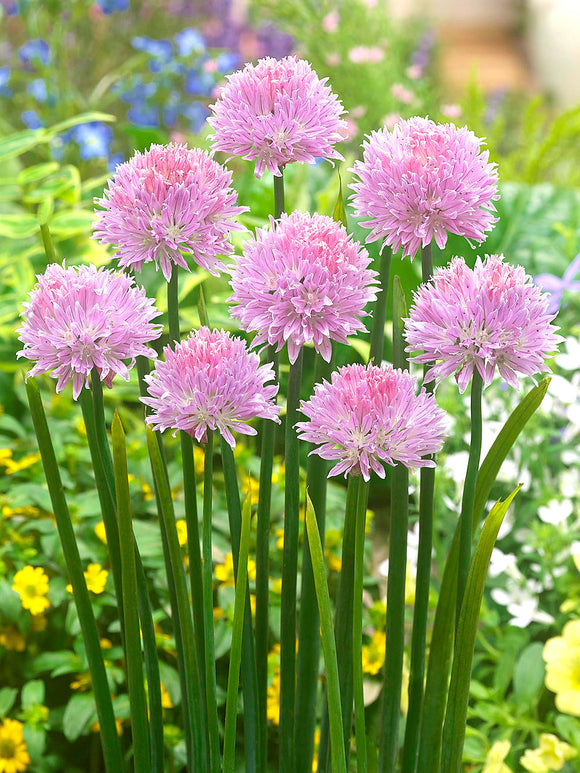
168, 204
275, 112
370, 416
302, 280
490, 316
421, 181
81, 318
210, 381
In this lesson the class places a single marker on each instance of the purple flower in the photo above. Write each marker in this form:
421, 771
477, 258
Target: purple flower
422, 180
556, 286
81, 318
276, 112
94, 139
189, 41
34, 52
368, 416
488, 316
165, 202
210, 381
302, 280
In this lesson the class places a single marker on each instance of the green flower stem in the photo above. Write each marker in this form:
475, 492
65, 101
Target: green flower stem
252, 731
173, 304
134, 655
380, 310
395, 628
210, 681
105, 713
263, 571
48, 243
423, 579
290, 571
236, 651
279, 205
309, 621
100, 425
357, 614
466, 517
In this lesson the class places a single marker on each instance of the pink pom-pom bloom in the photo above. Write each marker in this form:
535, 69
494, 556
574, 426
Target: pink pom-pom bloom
210, 381
488, 316
275, 112
167, 202
302, 280
81, 318
366, 417
422, 180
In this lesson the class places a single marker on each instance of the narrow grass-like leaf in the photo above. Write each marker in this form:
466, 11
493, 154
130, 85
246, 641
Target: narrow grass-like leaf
236, 650
202, 308
328, 643
133, 652
339, 212
456, 718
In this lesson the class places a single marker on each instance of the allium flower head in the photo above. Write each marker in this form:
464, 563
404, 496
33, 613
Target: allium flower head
275, 112
302, 280
490, 316
422, 180
210, 381
368, 416
165, 202
81, 318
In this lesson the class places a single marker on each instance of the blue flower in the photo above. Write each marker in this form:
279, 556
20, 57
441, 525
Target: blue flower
556, 286
111, 6
228, 62
196, 113
189, 41
114, 161
5, 90
162, 50
94, 139
172, 109
37, 89
34, 52
138, 91
31, 119
143, 115
199, 83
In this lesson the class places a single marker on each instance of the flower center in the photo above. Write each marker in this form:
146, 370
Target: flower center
7, 748
31, 591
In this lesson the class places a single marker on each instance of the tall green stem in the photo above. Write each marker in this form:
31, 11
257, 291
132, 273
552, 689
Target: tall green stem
357, 614
466, 517
279, 205
47, 243
380, 310
289, 572
173, 304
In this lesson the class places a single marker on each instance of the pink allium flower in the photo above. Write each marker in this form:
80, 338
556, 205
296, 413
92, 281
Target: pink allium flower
210, 381
421, 181
493, 315
403, 94
331, 21
275, 112
302, 280
366, 55
81, 318
168, 201
414, 72
452, 111
368, 416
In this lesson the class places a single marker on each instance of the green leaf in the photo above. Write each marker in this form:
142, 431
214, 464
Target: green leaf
7, 698
79, 715
456, 717
35, 739
339, 213
37, 172
71, 222
9, 601
32, 694
80, 119
18, 226
19, 143
529, 674
64, 184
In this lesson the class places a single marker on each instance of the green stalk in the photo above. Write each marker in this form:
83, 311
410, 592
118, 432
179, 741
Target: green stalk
133, 652
357, 614
466, 517
237, 632
309, 621
279, 205
289, 572
210, 682
423, 579
105, 713
252, 731
173, 304
380, 310
48, 243
100, 425
395, 628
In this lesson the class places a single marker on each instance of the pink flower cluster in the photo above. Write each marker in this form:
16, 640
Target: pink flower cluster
168, 201
422, 180
81, 318
275, 112
490, 316
210, 381
302, 280
366, 417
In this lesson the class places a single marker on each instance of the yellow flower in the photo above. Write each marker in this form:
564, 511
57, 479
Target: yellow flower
409, 586
252, 486
166, 701
181, 527
11, 639
12, 465
147, 492
14, 757
550, 755
494, 761
315, 755
277, 586
373, 654
273, 700
333, 561
100, 531
96, 727
280, 539
562, 656
225, 572
198, 460
31, 584
405, 686
82, 682
29, 511
218, 613
95, 577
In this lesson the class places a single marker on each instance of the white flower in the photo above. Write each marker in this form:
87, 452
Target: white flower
500, 562
521, 604
555, 512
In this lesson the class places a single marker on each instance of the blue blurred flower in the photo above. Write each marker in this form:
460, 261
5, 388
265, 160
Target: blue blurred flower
114, 161
196, 113
34, 52
172, 109
37, 89
138, 91
160, 49
228, 61
143, 115
199, 83
94, 139
31, 119
5, 90
111, 6
556, 286
189, 41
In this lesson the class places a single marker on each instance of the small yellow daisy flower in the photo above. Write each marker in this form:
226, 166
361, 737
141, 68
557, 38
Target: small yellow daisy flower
101, 532
14, 757
562, 656
494, 761
11, 639
273, 700
225, 572
373, 654
181, 527
31, 584
550, 755
95, 577
166, 701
